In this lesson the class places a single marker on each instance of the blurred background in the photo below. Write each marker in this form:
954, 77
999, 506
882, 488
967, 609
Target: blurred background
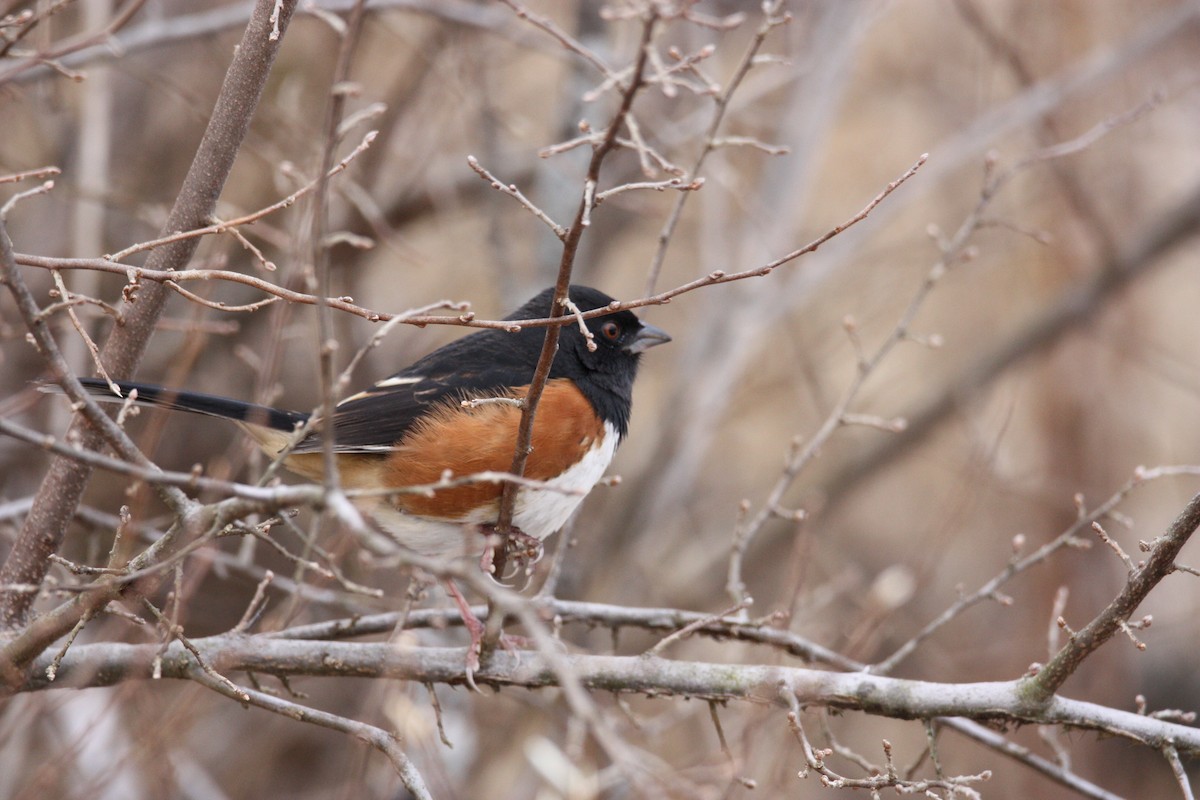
1009, 421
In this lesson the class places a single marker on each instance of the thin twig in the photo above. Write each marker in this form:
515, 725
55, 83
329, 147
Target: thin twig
512, 191
383, 741
1018, 565
1160, 563
226, 225
1177, 770
695, 625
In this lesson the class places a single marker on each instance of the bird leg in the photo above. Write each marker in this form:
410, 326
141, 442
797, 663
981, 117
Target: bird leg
476, 630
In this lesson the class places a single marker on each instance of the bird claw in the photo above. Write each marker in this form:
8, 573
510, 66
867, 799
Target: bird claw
476, 630
509, 554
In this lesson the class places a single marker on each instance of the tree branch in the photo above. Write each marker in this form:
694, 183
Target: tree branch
63, 485
1000, 701
1161, 563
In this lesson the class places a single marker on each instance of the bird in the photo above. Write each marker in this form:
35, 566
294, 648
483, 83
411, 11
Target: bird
455, 413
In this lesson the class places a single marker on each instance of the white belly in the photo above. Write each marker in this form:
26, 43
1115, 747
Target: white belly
538, 512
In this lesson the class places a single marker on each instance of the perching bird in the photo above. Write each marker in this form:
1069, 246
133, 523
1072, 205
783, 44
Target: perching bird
413, 428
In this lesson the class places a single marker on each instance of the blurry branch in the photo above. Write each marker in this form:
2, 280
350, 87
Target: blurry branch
30, 556
991, 589
385, 742
1046, 96
139, 468
772, 18
319, 276
40, 172
571, 240
597, 615
190, 528
1001, 701
1160, 563
154, 33
558, 308
1009, 54
44, 188
50, 57
135, 275
225, 226
1178, 771
887, 777
1075, 307
1059, 773
953, 251
63, 486
724, 357
173, 280
568, 42
719, 276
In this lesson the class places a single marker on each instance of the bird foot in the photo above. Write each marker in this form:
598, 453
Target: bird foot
509, 554
476, 630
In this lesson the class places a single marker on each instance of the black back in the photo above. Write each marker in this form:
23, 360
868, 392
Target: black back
490, 362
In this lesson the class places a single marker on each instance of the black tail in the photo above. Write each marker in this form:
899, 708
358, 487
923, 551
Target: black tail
197, 403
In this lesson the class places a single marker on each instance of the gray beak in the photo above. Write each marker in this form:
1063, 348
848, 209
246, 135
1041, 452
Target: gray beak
647, 337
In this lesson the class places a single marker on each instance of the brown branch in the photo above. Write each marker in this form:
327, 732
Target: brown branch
468, 320
63, 486
600, 615
322, 278
562, 284
1040, 688
226, 226
40, 172
383, 741
142, 573
142, 470
772, 19
29, 559
82, 42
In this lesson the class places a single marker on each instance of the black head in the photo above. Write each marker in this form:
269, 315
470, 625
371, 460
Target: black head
604, 374
617, 336
492, 361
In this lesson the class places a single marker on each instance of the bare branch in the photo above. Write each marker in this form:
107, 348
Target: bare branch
108, 663
1041, 687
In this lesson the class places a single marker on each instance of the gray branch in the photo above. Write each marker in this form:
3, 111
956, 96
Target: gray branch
1000, 701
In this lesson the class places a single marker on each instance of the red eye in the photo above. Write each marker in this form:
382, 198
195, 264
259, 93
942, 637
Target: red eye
611, 331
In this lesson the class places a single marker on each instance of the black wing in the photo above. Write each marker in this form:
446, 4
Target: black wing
374, 420
488, 363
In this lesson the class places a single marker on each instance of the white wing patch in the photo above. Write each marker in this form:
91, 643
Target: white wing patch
386, 383
398, 381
